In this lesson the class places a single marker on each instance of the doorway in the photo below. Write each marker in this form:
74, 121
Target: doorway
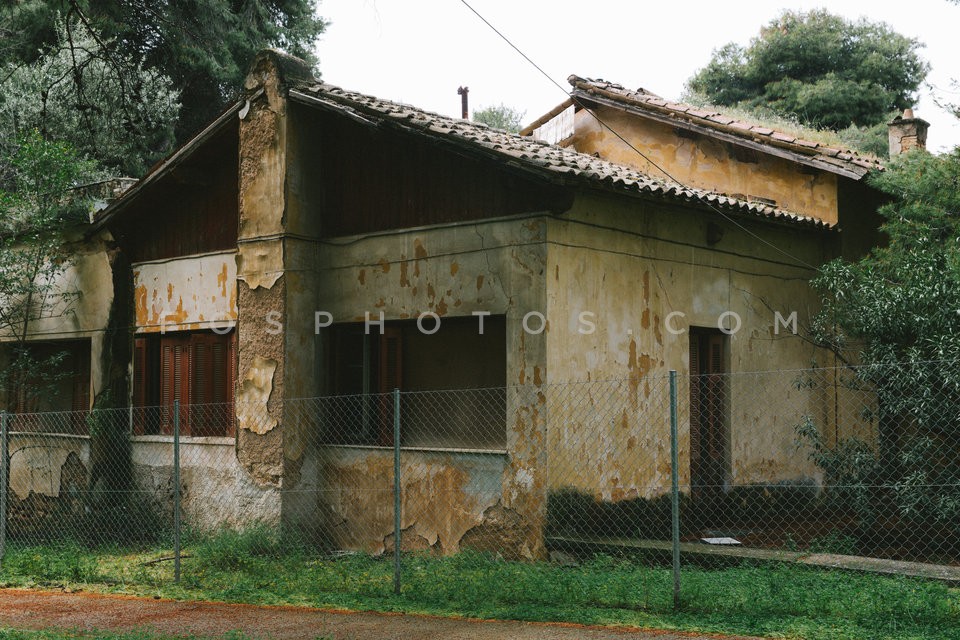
709, 433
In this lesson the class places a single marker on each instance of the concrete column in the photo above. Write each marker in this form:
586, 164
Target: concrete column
262, 299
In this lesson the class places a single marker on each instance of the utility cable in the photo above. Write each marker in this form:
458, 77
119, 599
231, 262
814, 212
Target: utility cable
570, 95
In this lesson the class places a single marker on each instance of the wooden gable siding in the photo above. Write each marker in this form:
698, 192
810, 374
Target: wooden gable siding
191, 210
375, 179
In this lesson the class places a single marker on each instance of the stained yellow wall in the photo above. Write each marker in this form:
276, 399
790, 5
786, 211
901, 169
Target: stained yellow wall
707, 163
451, 270
192, 292
632, 264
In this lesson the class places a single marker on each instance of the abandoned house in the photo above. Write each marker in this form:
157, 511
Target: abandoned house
710, 150
243, 271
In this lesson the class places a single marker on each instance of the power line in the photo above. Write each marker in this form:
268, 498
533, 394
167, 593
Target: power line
627, 142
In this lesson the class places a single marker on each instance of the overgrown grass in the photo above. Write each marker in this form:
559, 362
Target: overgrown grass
759, 599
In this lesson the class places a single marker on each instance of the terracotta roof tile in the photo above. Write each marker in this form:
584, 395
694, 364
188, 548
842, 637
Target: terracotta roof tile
532, 154
849, 162
719, 118
743, 126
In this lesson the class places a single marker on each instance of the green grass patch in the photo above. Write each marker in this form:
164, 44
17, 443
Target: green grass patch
259, 567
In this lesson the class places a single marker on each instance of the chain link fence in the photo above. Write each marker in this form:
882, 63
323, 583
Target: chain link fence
853, 468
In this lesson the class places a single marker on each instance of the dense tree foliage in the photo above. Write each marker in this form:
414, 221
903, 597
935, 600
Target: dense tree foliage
107, 105
896, 314
203, 46
825, 70
902, 302
500, 117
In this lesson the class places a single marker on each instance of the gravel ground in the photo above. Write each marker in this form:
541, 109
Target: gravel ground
27, 609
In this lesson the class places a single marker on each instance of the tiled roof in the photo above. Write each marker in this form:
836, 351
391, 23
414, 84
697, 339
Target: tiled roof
843, 161
559, 164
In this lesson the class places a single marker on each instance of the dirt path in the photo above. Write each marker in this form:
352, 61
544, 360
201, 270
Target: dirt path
42, 609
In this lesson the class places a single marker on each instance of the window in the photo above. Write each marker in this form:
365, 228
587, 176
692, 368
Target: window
58, 380
198, 369
453, 382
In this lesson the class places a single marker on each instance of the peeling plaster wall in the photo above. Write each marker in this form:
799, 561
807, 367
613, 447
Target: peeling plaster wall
493, 266
444, 496
216, 489
37, 462
261, 282
708, 163
648, 261
194, 292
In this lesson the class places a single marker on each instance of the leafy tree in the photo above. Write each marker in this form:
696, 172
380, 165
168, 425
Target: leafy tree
203, 46
827, 71
500, 117
33, 253
901, 303
105, 103
896, 313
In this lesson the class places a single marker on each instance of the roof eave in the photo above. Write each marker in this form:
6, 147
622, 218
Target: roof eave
569, 179
165, 166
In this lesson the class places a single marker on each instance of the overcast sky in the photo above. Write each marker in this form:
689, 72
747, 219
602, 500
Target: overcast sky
420, 51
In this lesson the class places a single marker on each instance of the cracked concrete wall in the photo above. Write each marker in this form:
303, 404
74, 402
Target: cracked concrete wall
453, 270
444, 496
708, 163
632, 264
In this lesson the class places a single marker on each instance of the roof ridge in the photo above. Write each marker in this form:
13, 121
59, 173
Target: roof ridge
717, 120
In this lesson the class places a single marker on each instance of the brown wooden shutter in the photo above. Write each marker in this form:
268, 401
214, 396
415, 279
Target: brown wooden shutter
200, 382
225, 364
391, 359
212, 365
140, 385
175, 381
715, 397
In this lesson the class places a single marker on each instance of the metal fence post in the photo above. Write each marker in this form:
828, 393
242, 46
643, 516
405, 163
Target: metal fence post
4, 481
396, 491
176, 491
675, 488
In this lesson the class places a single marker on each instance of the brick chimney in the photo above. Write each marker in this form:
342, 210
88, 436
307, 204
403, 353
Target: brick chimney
907, 132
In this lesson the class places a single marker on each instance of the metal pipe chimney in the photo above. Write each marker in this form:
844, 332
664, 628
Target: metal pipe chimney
464, 107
